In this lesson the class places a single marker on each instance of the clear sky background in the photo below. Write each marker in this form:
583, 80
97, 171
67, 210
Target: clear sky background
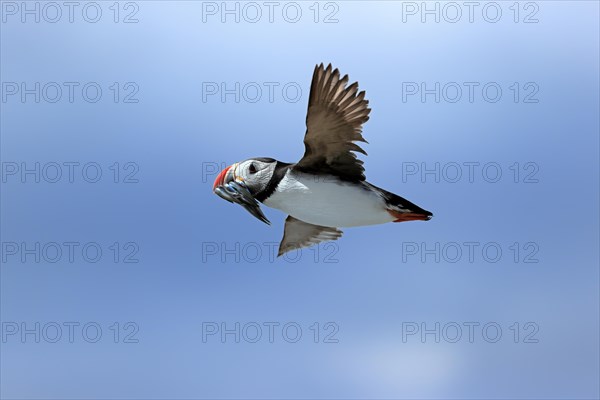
496, 297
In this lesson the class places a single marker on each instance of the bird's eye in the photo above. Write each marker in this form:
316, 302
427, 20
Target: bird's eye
252, 169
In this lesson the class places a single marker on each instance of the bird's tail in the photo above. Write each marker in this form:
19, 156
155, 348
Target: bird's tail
401, 209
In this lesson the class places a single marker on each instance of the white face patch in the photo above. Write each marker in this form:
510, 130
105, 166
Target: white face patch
255, 174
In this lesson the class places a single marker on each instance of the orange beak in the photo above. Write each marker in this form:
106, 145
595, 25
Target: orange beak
221, 177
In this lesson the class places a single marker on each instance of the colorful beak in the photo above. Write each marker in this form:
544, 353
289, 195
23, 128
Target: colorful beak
226, 176
220, 181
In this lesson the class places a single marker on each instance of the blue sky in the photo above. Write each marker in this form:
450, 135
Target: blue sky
124, 276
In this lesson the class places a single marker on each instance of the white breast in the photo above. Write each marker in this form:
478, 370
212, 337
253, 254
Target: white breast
327, 201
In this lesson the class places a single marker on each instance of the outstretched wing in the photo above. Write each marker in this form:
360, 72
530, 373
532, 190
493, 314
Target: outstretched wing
298, 234
333, 123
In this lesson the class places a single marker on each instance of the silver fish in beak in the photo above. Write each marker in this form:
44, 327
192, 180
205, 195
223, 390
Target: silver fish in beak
237, 192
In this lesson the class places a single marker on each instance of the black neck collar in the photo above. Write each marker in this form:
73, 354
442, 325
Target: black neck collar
278, 174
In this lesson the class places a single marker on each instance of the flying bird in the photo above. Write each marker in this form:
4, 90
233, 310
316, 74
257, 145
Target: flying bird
325, 190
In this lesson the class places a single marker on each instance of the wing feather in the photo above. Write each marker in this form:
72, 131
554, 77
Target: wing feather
334, 121
298, 234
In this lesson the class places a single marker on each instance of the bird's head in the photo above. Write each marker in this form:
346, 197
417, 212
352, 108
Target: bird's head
255, 173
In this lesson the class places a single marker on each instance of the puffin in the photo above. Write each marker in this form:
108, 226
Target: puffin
327, 189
